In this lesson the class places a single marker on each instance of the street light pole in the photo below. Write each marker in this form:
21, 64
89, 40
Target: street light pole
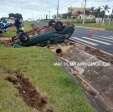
49, 14
57, 9
84, 12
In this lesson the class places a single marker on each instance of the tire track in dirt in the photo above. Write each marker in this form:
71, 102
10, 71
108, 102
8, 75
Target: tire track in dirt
30, 95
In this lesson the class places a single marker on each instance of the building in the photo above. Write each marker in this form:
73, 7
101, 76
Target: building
77, 12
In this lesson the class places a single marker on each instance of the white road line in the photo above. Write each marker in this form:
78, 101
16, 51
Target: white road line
111, 37
102, 36
107, 37
103, 39
82, 40
105, 43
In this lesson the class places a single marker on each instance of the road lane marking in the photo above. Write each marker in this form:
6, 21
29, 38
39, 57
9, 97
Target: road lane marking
107, 37
111, 36
105, 43
86, 33
103, 39
72, 39
85, 41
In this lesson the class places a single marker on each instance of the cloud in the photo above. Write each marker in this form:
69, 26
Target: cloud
39, 8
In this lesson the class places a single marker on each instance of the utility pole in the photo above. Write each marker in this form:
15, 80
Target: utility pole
57, 10
49, 14
84, 12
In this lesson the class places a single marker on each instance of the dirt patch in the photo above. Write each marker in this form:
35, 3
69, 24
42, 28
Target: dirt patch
98, 77
6, 41
31, 96
100, 55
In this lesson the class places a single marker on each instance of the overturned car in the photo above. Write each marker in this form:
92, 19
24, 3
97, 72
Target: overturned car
58, 34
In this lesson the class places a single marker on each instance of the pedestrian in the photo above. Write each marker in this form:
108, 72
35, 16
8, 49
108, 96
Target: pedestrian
18, 25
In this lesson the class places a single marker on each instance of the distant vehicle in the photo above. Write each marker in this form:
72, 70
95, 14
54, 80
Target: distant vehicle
4, 24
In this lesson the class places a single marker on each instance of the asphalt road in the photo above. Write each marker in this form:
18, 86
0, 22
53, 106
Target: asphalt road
99, 39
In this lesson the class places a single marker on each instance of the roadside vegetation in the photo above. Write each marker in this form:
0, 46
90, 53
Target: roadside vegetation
1, 45
90, 24
108, 27
95, 17
38, 65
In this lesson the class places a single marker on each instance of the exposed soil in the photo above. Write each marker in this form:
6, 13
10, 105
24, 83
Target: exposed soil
6, 41
100, 78
100, 55
31, 96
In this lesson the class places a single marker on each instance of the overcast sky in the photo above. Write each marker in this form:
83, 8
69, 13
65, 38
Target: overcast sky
39, 8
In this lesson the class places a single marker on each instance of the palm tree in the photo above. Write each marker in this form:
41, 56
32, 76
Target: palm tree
98, 12
112, 15
92, 10
105, 9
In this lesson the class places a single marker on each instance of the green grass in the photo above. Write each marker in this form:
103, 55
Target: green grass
37, 64
101, 26
8, 100
1, 45
27, 26
10, 33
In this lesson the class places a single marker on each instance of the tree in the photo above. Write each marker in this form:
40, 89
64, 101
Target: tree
17, 15
112, 15
65, 15
92, 10
11, 15
105, 9
87, 12
98, 12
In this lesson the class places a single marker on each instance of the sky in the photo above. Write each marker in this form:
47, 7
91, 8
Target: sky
37, 9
